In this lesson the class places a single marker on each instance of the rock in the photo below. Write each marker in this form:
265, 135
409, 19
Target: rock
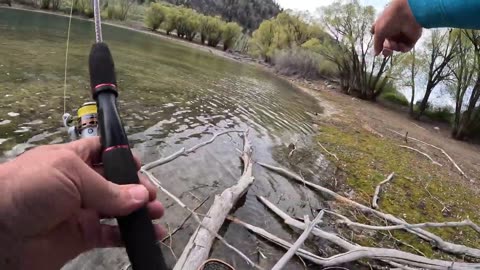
13, 114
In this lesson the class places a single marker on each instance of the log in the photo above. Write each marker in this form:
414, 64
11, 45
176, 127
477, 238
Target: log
293, 249
437, 241
377, 191
200, 243
356, 252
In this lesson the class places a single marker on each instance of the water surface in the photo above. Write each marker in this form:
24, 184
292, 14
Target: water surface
171, 96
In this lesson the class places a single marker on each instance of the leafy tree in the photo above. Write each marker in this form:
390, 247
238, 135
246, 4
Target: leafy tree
466, 70
348, 48
155, 16
230, 33
441, 53
262, 40
247, 13
186, 23
214, 29
170, 23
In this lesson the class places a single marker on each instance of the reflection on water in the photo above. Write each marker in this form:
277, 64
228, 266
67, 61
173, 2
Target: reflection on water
171, 97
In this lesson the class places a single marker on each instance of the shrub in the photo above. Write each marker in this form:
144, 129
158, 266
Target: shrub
297, 62
186, 23
215, 28
44, 4
113, 12
56, 4
170, 20
396, 98
230, 33
155, 16
442, 114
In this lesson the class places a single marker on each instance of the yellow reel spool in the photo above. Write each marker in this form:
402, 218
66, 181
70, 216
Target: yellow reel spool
87, 120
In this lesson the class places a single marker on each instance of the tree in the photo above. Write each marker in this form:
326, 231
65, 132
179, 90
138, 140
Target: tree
262, 40
441, 52
466, 69
230, 33
170, 23
155, 16
348, 46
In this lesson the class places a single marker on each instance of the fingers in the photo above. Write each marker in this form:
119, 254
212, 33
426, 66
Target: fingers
89, 149
105, 197
155, 211
378, 39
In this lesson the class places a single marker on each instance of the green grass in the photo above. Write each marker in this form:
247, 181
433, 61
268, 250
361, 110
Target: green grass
396, 98
367, 160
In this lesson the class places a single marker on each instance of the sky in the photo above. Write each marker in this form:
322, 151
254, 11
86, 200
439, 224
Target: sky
312, 5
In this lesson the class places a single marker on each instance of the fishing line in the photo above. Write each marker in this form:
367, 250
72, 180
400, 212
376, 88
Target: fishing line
66, 61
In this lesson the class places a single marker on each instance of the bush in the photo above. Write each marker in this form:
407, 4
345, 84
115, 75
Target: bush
396, 98
56, 4
8, 2
441, 114
215, 27
230, 33
44, 4
113, 12
84, 7
170, 23
155, 16
297, 62
187, 23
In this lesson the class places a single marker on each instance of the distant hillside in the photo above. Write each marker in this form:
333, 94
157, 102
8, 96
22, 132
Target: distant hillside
248, 13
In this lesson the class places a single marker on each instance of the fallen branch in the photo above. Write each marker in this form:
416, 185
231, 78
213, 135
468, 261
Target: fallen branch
350, 223
293, 249
377, 190
196, 217
184, 152
356, 252
422, 153
438, 148
328, 152
428, 236
200, 243
185, 220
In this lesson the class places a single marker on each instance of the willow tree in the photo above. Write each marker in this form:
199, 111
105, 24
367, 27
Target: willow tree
440, 51
466, 70
349, 48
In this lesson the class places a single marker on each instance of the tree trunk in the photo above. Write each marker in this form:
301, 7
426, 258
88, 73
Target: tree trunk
424, 104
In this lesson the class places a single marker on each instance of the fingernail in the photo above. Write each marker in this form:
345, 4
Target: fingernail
139, 193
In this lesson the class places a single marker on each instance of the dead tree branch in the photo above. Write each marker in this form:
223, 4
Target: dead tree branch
428, 236
328, 152
377, 190
293, 249
422, 153
184, 152
196, 217
200, 243
356, 252
438, 148
350, 223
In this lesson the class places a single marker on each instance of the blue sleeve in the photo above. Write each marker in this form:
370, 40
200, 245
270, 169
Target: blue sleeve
447, 13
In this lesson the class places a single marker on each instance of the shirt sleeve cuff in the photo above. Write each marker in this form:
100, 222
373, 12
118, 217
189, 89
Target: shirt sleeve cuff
429, 14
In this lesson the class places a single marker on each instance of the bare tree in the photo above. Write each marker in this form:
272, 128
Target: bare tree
442, 52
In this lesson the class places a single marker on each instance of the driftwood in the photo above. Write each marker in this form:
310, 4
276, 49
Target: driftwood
437, 241
350, 223
184, 152
293, 249
422, 153
377, 190
158, 184
328, 152
356, 252
438, 148
200, 243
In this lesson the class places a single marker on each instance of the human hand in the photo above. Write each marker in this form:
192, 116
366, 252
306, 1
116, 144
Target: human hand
52, 199
396, 29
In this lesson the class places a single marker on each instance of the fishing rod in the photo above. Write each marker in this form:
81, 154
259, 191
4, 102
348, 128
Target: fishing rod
136, 229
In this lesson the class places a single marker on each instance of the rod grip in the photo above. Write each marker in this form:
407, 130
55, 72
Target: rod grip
137, 230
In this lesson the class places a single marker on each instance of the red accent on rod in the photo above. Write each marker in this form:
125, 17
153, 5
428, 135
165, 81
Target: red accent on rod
105, 84
125, 146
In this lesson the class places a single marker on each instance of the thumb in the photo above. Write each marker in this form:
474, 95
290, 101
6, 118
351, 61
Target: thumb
107, 198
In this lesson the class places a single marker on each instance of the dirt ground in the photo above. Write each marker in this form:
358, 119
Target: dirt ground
382, 119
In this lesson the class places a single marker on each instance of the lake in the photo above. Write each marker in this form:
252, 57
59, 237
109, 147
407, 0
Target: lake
171, 96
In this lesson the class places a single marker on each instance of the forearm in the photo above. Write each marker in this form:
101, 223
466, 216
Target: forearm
446, 13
